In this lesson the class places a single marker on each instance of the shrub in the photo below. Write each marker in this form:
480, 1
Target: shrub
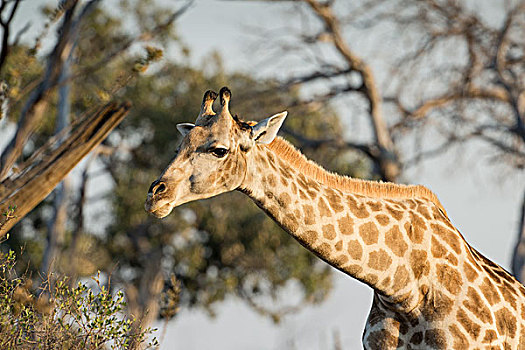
63, 317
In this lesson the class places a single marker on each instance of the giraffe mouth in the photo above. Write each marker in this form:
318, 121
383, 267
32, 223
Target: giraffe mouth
154, 209
162, 211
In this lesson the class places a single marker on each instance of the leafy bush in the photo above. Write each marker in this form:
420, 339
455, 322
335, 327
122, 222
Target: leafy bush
63, 317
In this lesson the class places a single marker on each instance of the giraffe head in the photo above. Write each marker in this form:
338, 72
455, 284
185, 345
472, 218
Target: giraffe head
213, 155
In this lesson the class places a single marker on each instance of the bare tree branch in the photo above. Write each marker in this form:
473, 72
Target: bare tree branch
6, 28
388, 163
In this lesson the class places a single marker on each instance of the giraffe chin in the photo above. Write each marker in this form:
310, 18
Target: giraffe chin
161, 212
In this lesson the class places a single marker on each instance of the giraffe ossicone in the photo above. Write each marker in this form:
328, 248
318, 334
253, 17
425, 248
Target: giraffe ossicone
432, 290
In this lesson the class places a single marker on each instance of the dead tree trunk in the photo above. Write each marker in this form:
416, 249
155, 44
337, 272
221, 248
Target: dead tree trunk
20, 194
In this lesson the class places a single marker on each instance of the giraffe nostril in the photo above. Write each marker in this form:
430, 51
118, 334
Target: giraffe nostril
161, 188
157, 187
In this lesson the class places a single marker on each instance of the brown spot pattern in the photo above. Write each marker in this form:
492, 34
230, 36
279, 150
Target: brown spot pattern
472, 328
303, 195
508, 296
273, 210
435, 339
297, 213
470, 272
341, 260
419, 263
417, 228
355, 250
290, 222
284, 169
449, 278
510, 287
379, 260
328, 231
489, 291
505, 322
312, 194
522, 334
323, 208
385, 282
354, 269
382, 339
346, 225
382, 219
490, 336
400, 278
310, 236
324, 249
284, 200
476, 305
271, 180
395, 241
460, 340
371, 278
313, 185
302, 181
451, 238
339, 245
294, 188
358, 209
436, 213
335, 201
396, 214
271, 159
369, 233
439, 251
423, 210
375, 206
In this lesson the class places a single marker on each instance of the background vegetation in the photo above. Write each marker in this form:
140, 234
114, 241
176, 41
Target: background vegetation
208, 251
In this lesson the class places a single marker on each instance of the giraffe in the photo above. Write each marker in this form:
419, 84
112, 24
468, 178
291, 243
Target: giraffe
432, 290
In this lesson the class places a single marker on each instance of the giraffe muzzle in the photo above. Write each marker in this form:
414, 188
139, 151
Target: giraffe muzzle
155, 203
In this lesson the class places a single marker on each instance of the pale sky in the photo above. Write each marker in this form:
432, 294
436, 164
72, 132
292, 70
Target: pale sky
481, 201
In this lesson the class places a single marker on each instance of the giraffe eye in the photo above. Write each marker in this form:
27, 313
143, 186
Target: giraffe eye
219, 152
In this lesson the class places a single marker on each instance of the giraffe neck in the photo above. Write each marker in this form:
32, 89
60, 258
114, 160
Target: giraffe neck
377, 240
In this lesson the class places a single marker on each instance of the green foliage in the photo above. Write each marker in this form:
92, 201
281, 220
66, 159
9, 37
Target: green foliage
63, 317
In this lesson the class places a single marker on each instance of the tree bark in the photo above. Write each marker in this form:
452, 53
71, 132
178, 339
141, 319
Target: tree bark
21, 195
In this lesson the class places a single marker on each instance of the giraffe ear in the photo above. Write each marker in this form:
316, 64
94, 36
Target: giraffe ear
265, 131
185, 128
